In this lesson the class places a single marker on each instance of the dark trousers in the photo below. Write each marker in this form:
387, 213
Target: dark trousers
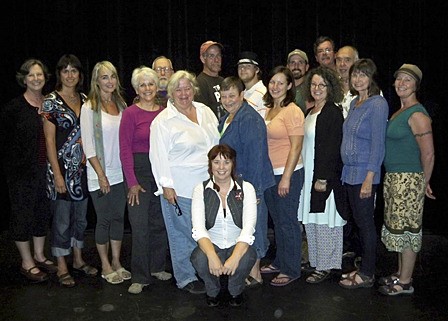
363, 214
212, 283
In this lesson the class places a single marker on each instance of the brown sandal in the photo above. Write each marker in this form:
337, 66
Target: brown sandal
366, 281
66, 280
392, 289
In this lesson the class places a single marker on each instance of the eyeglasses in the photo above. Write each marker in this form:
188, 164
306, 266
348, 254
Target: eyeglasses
320, 86
327, 50
213, 56
177, 208
164, 69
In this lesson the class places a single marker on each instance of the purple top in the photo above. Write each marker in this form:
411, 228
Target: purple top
134, 138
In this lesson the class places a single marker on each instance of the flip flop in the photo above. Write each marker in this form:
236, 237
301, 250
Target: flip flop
287, 278
66, 280
269, 269
251, 282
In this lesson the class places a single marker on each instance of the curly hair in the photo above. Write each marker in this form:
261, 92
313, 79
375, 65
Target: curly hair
335, 93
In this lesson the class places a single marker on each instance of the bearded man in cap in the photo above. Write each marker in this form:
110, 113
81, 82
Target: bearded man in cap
297, 62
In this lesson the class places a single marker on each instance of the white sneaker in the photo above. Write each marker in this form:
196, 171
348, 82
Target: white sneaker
136, 288
163, 276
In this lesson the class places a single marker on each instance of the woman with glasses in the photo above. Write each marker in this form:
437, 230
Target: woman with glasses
285, 132
320, 204
181, 136
362, 152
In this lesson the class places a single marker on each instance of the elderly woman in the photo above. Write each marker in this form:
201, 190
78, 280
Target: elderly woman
100, 122
321, 203
149, 239
224, 212
409, 162
362, 152
181, 136
244, 130
285, 132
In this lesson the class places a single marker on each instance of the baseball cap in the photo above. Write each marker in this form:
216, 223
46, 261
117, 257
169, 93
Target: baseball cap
299, 52
207, 45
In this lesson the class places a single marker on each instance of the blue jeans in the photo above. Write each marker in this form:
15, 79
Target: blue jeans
363, 214
181, 243
68, 227
261, 242
288, 234
236, 283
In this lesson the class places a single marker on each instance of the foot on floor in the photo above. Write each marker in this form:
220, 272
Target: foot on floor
86, 270
66, 280
318, 276
388, 280
396, 288
194, 287
357, 280
252, 282
37, 276
136, 288
47, 265
269, 269
283, 280
112, 278
124, 274
162, 276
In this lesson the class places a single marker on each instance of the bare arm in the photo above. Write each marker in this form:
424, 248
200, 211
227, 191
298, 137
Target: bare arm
422, 130
50, 142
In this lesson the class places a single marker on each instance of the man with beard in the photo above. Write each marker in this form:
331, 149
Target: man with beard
298, 64
250, 74
209, 80
164, 68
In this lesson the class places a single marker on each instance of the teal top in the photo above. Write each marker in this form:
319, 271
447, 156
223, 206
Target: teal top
402, 151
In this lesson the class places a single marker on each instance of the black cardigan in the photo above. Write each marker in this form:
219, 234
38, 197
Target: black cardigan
327, 159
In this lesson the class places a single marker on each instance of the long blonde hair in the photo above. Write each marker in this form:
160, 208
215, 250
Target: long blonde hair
94, 94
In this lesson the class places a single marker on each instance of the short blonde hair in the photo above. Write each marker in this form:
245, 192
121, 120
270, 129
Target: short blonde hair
173, 83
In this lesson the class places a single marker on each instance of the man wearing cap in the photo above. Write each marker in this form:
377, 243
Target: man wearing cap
209, 80
298, 64
164, 68
250, 74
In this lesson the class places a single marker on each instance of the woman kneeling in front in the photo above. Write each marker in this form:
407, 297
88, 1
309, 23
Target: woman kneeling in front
224, 213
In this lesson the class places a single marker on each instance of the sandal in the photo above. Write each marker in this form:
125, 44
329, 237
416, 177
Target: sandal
318, 276
162, 276
86, 269
283, 280
47, 265
269, 269
66, 280
366, 281
252, 282
124, 274
396, 288
112, 278
388, 280
35, 277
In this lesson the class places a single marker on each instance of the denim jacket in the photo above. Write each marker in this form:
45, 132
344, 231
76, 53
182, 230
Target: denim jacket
246, 134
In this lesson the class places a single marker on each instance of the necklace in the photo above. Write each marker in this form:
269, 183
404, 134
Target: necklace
73, 99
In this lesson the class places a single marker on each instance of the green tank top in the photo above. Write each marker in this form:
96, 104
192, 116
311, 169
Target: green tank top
402, 151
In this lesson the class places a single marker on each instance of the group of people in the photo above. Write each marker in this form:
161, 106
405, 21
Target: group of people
200, 163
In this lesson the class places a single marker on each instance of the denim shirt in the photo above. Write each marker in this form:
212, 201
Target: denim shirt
363, 140
247, 135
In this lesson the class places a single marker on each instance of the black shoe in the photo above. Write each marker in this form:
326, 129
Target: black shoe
212, 301
194, 287
236, 300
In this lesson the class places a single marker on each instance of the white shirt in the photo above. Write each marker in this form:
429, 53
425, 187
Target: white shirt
348, 97
110, 125
224, 233
254, 96
179, 148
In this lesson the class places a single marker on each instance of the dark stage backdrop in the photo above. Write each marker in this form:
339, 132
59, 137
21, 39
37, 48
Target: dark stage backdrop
131, 33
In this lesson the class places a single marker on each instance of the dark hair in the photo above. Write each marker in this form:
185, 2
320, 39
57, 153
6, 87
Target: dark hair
228, 153
73, 61
290, 94
25, 70
321, 39
335, 94
368, 67
230, 82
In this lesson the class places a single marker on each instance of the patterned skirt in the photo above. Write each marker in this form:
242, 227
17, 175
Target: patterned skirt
404, 196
